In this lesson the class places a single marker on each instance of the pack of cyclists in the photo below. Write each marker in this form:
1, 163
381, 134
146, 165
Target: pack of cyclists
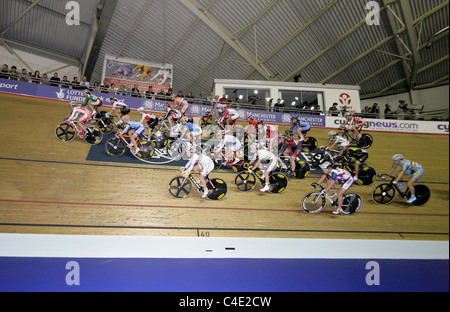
264, 149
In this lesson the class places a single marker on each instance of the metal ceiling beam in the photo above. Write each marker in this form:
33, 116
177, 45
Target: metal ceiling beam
413, 40
144, 10
105, 11
226, 35
293, 35
18, 18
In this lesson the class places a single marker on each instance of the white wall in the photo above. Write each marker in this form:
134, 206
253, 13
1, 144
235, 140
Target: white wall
37, 63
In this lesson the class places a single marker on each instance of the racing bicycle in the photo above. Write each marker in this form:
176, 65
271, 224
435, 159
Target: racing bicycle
181, 187
315, 202
117, 145
246, 180
385, 193
67, 131
365, 141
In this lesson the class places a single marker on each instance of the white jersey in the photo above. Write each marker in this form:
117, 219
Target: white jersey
206, 164
266, 155
339, 140
230, 141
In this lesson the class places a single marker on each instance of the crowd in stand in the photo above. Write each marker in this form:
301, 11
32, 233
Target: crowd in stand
25, 76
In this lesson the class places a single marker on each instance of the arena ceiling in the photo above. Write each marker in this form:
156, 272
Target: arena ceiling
403, 47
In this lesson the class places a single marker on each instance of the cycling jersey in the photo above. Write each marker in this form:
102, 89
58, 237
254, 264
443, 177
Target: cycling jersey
204, 162
92, 98
357, 154
412, 168
356, 121
302, 125
230, 142
80, 111
181, 104
151, 119
292, 146
267, 157
196, 130
271, 131
342, 177
137, 126
339, 140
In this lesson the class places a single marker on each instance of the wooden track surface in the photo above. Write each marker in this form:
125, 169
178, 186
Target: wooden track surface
47, 186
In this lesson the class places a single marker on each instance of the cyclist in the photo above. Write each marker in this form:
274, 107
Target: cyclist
270, 163
218, 110
252, 123
411, 168
181, 105
134, 130
356, 156
119, 109
80, 115
267, 134
299, 127
291, 148
173, 115
201, 164
91, 101
354, 124
152, 121
195, 132
229, 117
337, 175
335, 141
232, 148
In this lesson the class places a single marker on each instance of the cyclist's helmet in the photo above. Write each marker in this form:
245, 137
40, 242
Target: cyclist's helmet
348, 114
141, 110
294, 119
87, 92
113, 98
332, 133
250, 116
397, 157
72, 104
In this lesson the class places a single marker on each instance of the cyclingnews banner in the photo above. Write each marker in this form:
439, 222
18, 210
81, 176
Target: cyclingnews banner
63, 94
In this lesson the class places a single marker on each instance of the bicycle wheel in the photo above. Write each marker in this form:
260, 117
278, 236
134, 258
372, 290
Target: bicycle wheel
115, 147
218, 161
106, 125
147, 150
302, 170
217, 189
313, 203
365, 141
65, 132
423, 194
175, 150
310, 145
180, 187
93, 136
245, 181
383, 194
367, 176
352, 203
278, 183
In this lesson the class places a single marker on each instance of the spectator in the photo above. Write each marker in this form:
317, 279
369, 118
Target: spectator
135, 91
14, 75
96, 88
163, 96
25, 76
36, 78
75, 83
224, 100
84, 84
122, 91
202, 98
113, 89
366, 112
4, 74
45, 80
65, 83
279, 106
169, 93
344, 110
55, 80
210, 98
105, 87
375, 110
180, 94
189, 97
334, 110
388, 113
149, 94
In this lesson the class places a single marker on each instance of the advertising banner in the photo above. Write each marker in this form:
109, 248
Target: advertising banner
128, 73
392, 125
156, 106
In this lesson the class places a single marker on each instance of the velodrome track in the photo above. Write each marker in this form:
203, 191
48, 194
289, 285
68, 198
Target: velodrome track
50, 187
